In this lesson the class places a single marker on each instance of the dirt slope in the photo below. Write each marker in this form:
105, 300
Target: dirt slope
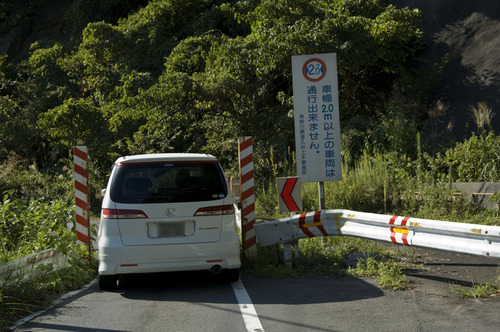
471, 29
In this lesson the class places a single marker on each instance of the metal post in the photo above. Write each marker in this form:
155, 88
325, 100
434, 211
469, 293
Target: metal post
287, 254
287, 249
321, 191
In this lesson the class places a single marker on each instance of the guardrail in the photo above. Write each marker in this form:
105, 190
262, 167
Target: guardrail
474, 239
27, 266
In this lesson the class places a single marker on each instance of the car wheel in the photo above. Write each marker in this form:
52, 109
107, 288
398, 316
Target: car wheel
108, 282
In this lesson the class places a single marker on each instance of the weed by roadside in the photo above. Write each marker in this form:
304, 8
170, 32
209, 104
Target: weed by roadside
388, 273
20, 297
27, 228
477, 291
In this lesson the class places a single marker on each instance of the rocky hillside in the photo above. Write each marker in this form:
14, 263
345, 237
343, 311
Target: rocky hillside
470, 31
24, 22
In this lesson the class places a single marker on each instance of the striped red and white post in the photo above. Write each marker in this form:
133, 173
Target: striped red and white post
247, 196
399, 234
312, 224
80, 158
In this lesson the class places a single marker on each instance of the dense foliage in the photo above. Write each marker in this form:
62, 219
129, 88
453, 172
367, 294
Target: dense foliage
28, 228
31, 228
182, 76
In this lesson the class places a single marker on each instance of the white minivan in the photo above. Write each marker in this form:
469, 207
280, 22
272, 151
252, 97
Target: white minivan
167, 212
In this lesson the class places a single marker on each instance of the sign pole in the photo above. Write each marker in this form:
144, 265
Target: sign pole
321, 192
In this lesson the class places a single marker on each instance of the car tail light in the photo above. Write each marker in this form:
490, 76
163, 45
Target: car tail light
215, 210
123, 214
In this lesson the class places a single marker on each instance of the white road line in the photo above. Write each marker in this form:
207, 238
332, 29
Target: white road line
247, 309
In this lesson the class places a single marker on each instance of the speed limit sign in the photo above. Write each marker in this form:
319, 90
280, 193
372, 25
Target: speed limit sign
316, 117
314, 70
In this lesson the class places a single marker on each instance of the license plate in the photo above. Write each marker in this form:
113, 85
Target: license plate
170, 229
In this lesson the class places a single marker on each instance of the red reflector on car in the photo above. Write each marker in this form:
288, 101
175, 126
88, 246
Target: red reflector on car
123, 214
128, 265
215, 261
215, 210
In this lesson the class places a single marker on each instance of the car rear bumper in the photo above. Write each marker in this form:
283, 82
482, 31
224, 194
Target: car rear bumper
168, 258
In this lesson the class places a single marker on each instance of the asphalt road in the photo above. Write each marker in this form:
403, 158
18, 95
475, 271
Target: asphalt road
191, 302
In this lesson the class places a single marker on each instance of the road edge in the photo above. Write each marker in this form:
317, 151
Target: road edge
64, 297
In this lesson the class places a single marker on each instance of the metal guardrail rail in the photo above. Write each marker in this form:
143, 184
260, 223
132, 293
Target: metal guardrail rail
27, 266
473, 239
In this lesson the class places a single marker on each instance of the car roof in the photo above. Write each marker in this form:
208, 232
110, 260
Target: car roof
158, 157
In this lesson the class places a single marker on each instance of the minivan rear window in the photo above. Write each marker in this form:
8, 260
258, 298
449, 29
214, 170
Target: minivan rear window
168, 182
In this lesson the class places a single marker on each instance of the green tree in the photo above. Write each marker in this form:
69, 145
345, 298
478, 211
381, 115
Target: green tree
193, 76
249, 78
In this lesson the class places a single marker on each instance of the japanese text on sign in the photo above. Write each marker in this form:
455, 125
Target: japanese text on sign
317, 127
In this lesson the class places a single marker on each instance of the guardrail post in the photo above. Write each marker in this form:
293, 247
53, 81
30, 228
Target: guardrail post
287, 249
247, 197
82, 225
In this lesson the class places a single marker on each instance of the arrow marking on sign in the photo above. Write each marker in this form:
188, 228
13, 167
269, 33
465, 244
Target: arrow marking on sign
286, 194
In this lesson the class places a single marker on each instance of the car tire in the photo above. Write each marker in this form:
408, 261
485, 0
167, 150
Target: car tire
108, 282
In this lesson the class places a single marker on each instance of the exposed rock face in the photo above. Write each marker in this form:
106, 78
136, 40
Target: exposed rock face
24, 25
470, 29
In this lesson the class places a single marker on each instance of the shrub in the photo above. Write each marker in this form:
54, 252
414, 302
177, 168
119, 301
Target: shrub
34, 226
474, 160
31, 227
